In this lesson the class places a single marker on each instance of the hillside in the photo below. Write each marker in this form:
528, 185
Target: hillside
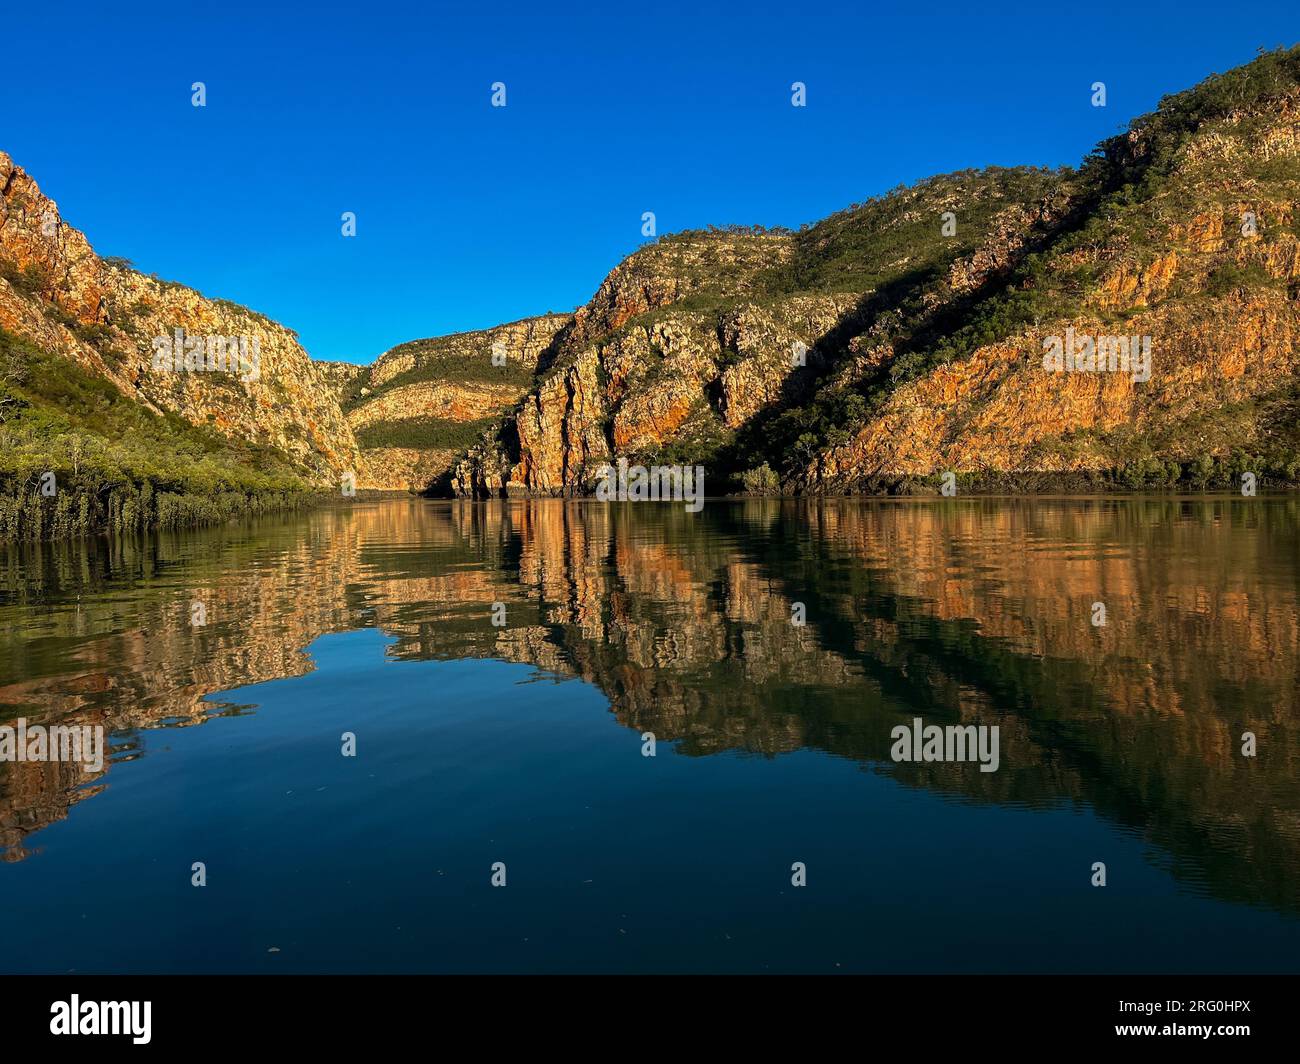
925, 347
424, 402
1187, 234
874, 351
134, 441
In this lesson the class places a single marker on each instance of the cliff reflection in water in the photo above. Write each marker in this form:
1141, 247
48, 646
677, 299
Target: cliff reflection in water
952, 610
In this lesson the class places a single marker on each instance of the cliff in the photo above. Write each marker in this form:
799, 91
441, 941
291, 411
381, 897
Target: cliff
877, 350
904, 338
1188, 237
424, 402
60, 297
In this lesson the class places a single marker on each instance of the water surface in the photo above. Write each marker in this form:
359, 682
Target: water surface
522, 743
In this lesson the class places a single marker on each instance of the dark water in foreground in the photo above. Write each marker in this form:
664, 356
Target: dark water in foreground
522, 744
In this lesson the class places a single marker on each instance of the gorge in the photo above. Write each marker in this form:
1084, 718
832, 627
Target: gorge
921, 317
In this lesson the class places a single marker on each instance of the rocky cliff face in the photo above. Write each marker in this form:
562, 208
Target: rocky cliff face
343, 379
425, 402
418, 406
693, 340
1200, 256
923, 319
888, 344
634, 368
58, 294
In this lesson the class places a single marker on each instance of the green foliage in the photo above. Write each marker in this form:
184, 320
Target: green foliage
240, 309
30, 280
701, 440
761, 480
1230, 277
424, 434
437, 361
882, 240
95, 333
997, 318
91, 503
1161, 134
117, 465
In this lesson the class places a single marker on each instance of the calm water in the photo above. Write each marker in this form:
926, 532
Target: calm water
522, 744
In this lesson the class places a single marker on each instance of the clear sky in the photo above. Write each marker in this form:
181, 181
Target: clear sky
470, 215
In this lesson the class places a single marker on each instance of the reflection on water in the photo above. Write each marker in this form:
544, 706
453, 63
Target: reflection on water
1115, 740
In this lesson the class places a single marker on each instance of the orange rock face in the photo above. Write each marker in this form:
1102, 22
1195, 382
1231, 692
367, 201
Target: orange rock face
286, 406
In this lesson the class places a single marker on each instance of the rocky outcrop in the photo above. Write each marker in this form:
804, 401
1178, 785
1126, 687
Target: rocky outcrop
904, 337
696, 338
768, 349
521, 343
57, 293
891, 342
1212, 281
448, 400
998, 410
462, 379
344, 379
686, 265
406, 468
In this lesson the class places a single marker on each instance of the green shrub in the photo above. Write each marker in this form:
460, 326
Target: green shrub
1230, 277
30, 280
761, 480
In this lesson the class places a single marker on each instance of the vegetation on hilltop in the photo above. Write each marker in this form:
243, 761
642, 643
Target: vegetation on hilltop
423, 434
1126, 198
880, 242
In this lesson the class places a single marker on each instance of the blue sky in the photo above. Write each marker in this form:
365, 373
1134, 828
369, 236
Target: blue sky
469, 215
